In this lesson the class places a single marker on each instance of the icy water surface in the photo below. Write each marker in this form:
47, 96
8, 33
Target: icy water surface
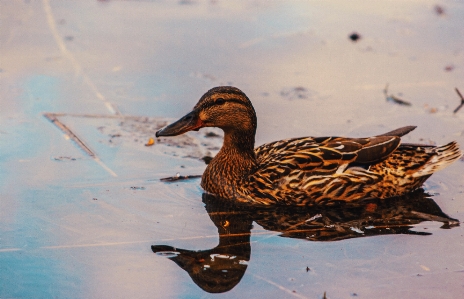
85, 84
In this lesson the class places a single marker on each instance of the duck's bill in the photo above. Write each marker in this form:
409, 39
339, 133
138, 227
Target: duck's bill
190, 122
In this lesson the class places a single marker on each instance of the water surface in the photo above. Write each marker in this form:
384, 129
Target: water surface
75, 225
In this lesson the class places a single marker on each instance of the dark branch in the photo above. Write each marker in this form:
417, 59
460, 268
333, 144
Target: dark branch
462, 101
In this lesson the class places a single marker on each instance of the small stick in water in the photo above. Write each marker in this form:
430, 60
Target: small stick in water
394, 99
179, 177
462, 101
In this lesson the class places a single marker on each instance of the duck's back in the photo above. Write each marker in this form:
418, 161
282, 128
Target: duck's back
305, 171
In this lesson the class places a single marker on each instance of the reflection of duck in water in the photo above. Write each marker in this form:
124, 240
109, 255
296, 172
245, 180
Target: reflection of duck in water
221, 268
305, 171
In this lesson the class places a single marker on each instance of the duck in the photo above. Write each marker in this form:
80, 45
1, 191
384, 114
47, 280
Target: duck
304, 171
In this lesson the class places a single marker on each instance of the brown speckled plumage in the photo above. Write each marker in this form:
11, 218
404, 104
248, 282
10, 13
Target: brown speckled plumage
305, 171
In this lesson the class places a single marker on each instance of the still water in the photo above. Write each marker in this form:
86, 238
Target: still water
83, 213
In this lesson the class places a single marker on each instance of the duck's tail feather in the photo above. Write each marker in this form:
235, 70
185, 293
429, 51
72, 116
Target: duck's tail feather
400, 131
442, 157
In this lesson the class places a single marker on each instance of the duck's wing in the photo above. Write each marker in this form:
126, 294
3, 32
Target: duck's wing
324, 155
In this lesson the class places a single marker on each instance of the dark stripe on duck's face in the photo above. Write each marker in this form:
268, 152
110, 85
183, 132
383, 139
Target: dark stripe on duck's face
213, 103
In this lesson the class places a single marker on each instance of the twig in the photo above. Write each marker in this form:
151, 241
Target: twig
394, 99
180, 177
462, 101
52, 117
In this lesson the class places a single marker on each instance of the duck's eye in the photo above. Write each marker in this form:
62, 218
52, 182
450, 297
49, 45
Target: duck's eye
219, 101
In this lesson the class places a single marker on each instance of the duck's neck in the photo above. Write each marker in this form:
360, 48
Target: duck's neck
230, 167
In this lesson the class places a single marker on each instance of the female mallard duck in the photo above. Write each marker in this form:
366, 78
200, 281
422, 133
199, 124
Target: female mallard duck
306, 170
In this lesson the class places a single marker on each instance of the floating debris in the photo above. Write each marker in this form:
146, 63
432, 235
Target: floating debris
297, 93
394, 99
439, 10
462, 101
150, 142
354, 36
179, 177
207, 159
64, 158
119, 129
137, 188
449, 68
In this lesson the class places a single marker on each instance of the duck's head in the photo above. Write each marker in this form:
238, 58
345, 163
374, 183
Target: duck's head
225, 107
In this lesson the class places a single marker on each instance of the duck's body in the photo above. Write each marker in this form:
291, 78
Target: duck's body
305, 171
